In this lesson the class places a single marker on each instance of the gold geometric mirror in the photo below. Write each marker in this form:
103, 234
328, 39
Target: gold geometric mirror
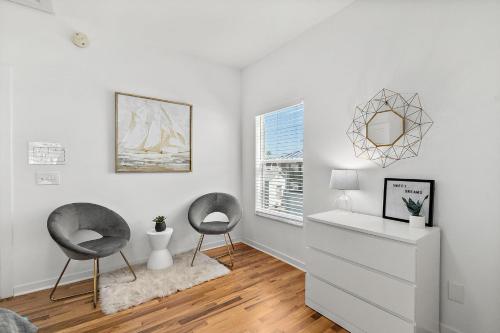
385, 128
388, 128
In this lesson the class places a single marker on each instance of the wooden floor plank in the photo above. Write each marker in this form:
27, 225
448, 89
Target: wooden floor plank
261, 294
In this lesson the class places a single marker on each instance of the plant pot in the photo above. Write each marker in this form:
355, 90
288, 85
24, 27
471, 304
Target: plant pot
159, 227
417, 222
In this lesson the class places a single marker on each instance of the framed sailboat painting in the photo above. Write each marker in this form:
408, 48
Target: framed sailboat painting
152, 135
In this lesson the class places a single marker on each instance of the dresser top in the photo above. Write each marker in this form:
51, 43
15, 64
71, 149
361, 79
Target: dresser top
373, 225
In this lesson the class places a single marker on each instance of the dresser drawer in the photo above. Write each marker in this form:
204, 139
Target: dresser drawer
392, 294
389, 256
360, 314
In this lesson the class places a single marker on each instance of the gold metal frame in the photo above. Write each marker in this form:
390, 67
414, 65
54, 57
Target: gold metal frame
416, 123
394, 141
158, 100
96, 275
230, 250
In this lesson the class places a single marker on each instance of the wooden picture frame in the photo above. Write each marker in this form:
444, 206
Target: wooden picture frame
152, 134
399, 187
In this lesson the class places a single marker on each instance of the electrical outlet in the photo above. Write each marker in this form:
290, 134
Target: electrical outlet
48, 178
456, 292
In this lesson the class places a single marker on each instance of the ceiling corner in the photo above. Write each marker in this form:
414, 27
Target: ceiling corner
43, 5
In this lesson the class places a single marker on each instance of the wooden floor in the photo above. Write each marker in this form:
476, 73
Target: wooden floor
261, 294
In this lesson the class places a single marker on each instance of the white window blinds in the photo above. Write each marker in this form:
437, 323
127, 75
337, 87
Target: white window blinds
279, 163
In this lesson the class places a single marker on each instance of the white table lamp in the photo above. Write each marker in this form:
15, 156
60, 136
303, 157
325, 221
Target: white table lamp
344, 180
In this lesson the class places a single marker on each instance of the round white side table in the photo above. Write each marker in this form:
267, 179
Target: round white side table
160, 257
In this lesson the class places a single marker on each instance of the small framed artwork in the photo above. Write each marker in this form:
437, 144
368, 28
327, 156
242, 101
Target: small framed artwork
398, 192
152, 134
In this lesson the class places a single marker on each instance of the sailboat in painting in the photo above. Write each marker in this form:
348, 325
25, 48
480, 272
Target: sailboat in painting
152, 135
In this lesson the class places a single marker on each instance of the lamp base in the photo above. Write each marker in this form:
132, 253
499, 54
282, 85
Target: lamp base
344, 203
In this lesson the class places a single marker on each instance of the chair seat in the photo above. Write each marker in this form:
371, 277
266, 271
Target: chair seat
105, 246
213, 228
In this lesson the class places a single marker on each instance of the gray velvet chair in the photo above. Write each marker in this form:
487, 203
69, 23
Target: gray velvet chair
70, 218
211, 203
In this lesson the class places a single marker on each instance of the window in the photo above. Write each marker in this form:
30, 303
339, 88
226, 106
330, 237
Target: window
279, 164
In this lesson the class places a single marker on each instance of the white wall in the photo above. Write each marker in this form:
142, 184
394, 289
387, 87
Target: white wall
6, 181
65, 94
449, 53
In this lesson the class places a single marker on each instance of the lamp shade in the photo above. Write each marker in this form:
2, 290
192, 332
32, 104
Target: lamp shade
344, 180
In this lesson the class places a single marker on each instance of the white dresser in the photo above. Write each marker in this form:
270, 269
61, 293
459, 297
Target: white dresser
370, 274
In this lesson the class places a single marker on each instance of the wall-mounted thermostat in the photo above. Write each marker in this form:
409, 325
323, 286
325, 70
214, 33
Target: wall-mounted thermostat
46, 153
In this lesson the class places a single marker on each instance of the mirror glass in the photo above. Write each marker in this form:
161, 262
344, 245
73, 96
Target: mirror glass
385, 128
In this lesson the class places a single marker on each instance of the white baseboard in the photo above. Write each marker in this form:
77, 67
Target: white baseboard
68, 278
448, 329
275, 253
219, 243
30, 287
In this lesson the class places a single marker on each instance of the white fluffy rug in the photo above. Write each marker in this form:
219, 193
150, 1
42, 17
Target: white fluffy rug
116, 294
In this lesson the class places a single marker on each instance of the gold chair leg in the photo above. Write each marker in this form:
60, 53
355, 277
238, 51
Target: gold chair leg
54, 299
98, 275
129, 267
95, 283
229, 252
232, 245
198, 248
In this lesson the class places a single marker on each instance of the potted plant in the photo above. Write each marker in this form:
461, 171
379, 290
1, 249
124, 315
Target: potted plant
415, 208
160, 224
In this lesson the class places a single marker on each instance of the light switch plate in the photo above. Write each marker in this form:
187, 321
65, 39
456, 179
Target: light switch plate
48, 178
456, 292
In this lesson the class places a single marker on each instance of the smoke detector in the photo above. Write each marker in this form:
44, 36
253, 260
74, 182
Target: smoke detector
80, 39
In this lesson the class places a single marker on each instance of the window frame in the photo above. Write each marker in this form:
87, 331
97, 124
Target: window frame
289, 219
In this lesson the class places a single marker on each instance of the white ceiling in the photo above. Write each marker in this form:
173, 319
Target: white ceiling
231, 32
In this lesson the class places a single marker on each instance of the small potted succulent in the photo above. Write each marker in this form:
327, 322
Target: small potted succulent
415, 208
160, 224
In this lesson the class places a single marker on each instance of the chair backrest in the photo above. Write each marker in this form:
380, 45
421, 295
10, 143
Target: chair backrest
70, 218
212, 203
